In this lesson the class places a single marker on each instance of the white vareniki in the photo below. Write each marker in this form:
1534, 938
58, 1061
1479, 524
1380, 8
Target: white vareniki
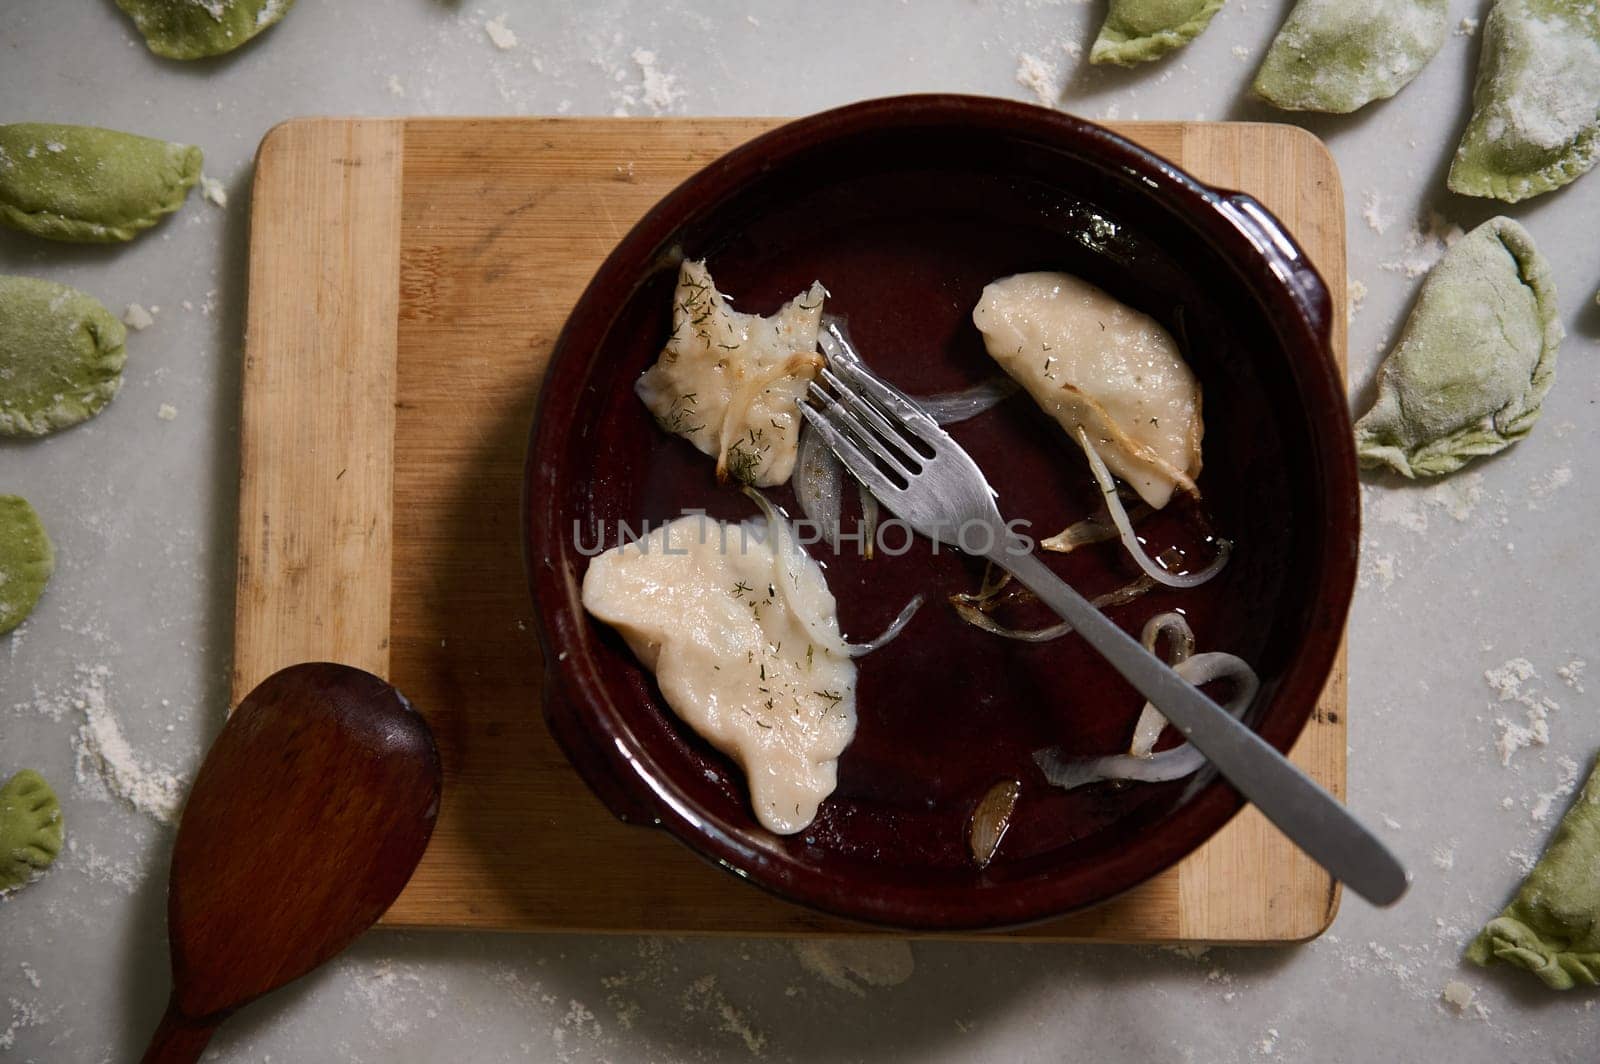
731, 383
1097, 365
746, 649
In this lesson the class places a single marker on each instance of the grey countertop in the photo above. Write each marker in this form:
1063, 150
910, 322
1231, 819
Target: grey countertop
1457, 578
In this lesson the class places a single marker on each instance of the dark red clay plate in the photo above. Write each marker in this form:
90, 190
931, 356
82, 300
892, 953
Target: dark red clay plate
905, 208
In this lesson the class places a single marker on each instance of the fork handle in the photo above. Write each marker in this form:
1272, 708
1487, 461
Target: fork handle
1312, 818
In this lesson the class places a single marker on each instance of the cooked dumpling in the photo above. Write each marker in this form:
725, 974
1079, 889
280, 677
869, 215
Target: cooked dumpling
731, 383
1552, 927
1137, 31
1536, 104
1474, 361
1093, 362
1337, 56
745, 648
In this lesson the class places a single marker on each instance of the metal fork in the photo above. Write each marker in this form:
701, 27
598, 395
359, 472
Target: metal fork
913, 466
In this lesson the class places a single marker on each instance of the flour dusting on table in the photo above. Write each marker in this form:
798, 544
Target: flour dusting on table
854, 964
1507, 681
105, 758
705, 998
1425, 244
1040, 78
500, 35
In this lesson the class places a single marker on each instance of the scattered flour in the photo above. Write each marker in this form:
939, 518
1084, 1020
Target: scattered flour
1040, 78
500, 35
394, 86
394, 997
1377, 570
1356, 294
1572, 674
1507, 682
1372, 212
167, 412
655, 88
1467, 27
30, 975
1241, 53
1444, 857
104, 756
1410, 507
213, 190
23, 1014
851, 964
137, 318
1457, 995
1565, 783
651, 971
1424, 245
1543, 487
661, 90
126, 876
704, 997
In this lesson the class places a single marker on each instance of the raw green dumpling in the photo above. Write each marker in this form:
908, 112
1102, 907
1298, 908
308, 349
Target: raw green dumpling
1338, 55
1475, 359
26, 561
1552, 926
30, 829
1137, 31
1536, 104
61, 356
194, 29
89, 185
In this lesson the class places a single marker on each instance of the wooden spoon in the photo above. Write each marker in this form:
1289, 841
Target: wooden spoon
307, 818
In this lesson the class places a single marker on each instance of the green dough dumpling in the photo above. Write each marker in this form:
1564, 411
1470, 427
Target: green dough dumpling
1552, 926
89, 185
194, 29
61, 356
1137, 31
26, 561
1475, 359
1536, 104
30, 829
1338, 55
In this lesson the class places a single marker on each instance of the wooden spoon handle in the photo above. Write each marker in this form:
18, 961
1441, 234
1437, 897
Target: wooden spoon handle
179, 1040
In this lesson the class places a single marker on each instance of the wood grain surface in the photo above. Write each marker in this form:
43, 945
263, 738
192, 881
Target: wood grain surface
408, 279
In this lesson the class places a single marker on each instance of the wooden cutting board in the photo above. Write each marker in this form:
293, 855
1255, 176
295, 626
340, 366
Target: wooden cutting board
408, 278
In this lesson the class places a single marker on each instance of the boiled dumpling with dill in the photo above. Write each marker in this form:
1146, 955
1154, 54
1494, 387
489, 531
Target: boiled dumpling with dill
742, 634
1101, 367
1474, 361
731, 383
1536, 103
